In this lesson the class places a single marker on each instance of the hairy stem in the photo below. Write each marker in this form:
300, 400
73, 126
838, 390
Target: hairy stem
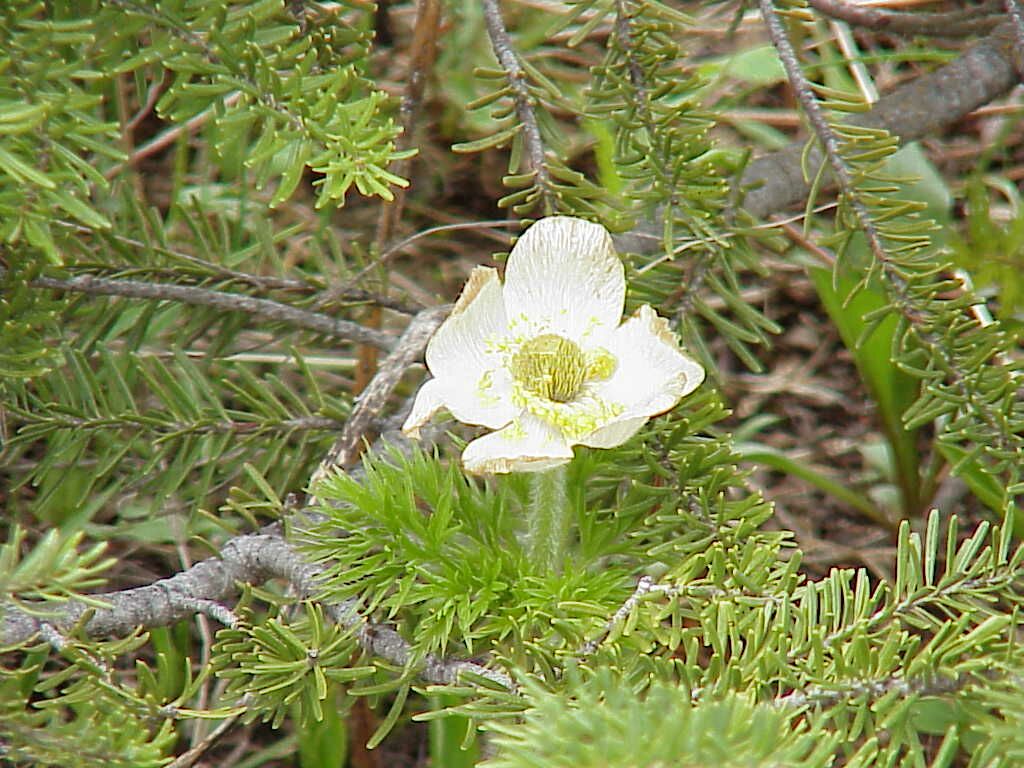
548, 518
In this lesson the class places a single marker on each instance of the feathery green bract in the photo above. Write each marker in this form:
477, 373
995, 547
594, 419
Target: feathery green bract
284, 666
603, 721
430, 547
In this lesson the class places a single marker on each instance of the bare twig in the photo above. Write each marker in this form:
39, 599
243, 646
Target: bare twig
975, 20
254, 558
262, 308
333, 294
264, 282
409, 348
195, 753
422, 52
645, 586
152, 97
168, 137
501, 42
821, 696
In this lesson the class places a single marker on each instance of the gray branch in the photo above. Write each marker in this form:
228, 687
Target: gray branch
230, 302
251, 559
372, 400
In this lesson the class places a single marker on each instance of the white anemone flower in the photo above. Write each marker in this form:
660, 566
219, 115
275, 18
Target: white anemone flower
544, 359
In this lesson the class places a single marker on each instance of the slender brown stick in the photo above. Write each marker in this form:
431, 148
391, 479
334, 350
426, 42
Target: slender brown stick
423, 53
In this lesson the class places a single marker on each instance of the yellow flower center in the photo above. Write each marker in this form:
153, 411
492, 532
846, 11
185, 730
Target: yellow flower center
554, 368
550, 366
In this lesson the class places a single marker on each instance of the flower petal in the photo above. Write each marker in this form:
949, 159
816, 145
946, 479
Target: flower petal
652, 373
563, 276
615, 433
525, 445
486, 401
429, 400
461, 347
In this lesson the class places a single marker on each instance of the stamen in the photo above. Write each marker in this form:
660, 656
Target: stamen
550, 366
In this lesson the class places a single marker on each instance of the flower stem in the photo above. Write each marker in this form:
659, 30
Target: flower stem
548, 520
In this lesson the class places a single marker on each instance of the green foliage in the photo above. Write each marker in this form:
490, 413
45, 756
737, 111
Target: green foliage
969, 385
52, 131
101, 734
678, 611
599, 724
892, 389
287, 666
55, 569
453, 560
992, 250
674, 174
81, 703
180, 415
26, 321
290, 92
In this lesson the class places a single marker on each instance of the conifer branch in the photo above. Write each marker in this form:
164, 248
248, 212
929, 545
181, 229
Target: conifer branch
263, 282
820, 125
921, 317
873, 690
251, 559
200, 426
265, 309
922, 107
506, 55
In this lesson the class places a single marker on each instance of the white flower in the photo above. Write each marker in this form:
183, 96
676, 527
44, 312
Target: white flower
544, 360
